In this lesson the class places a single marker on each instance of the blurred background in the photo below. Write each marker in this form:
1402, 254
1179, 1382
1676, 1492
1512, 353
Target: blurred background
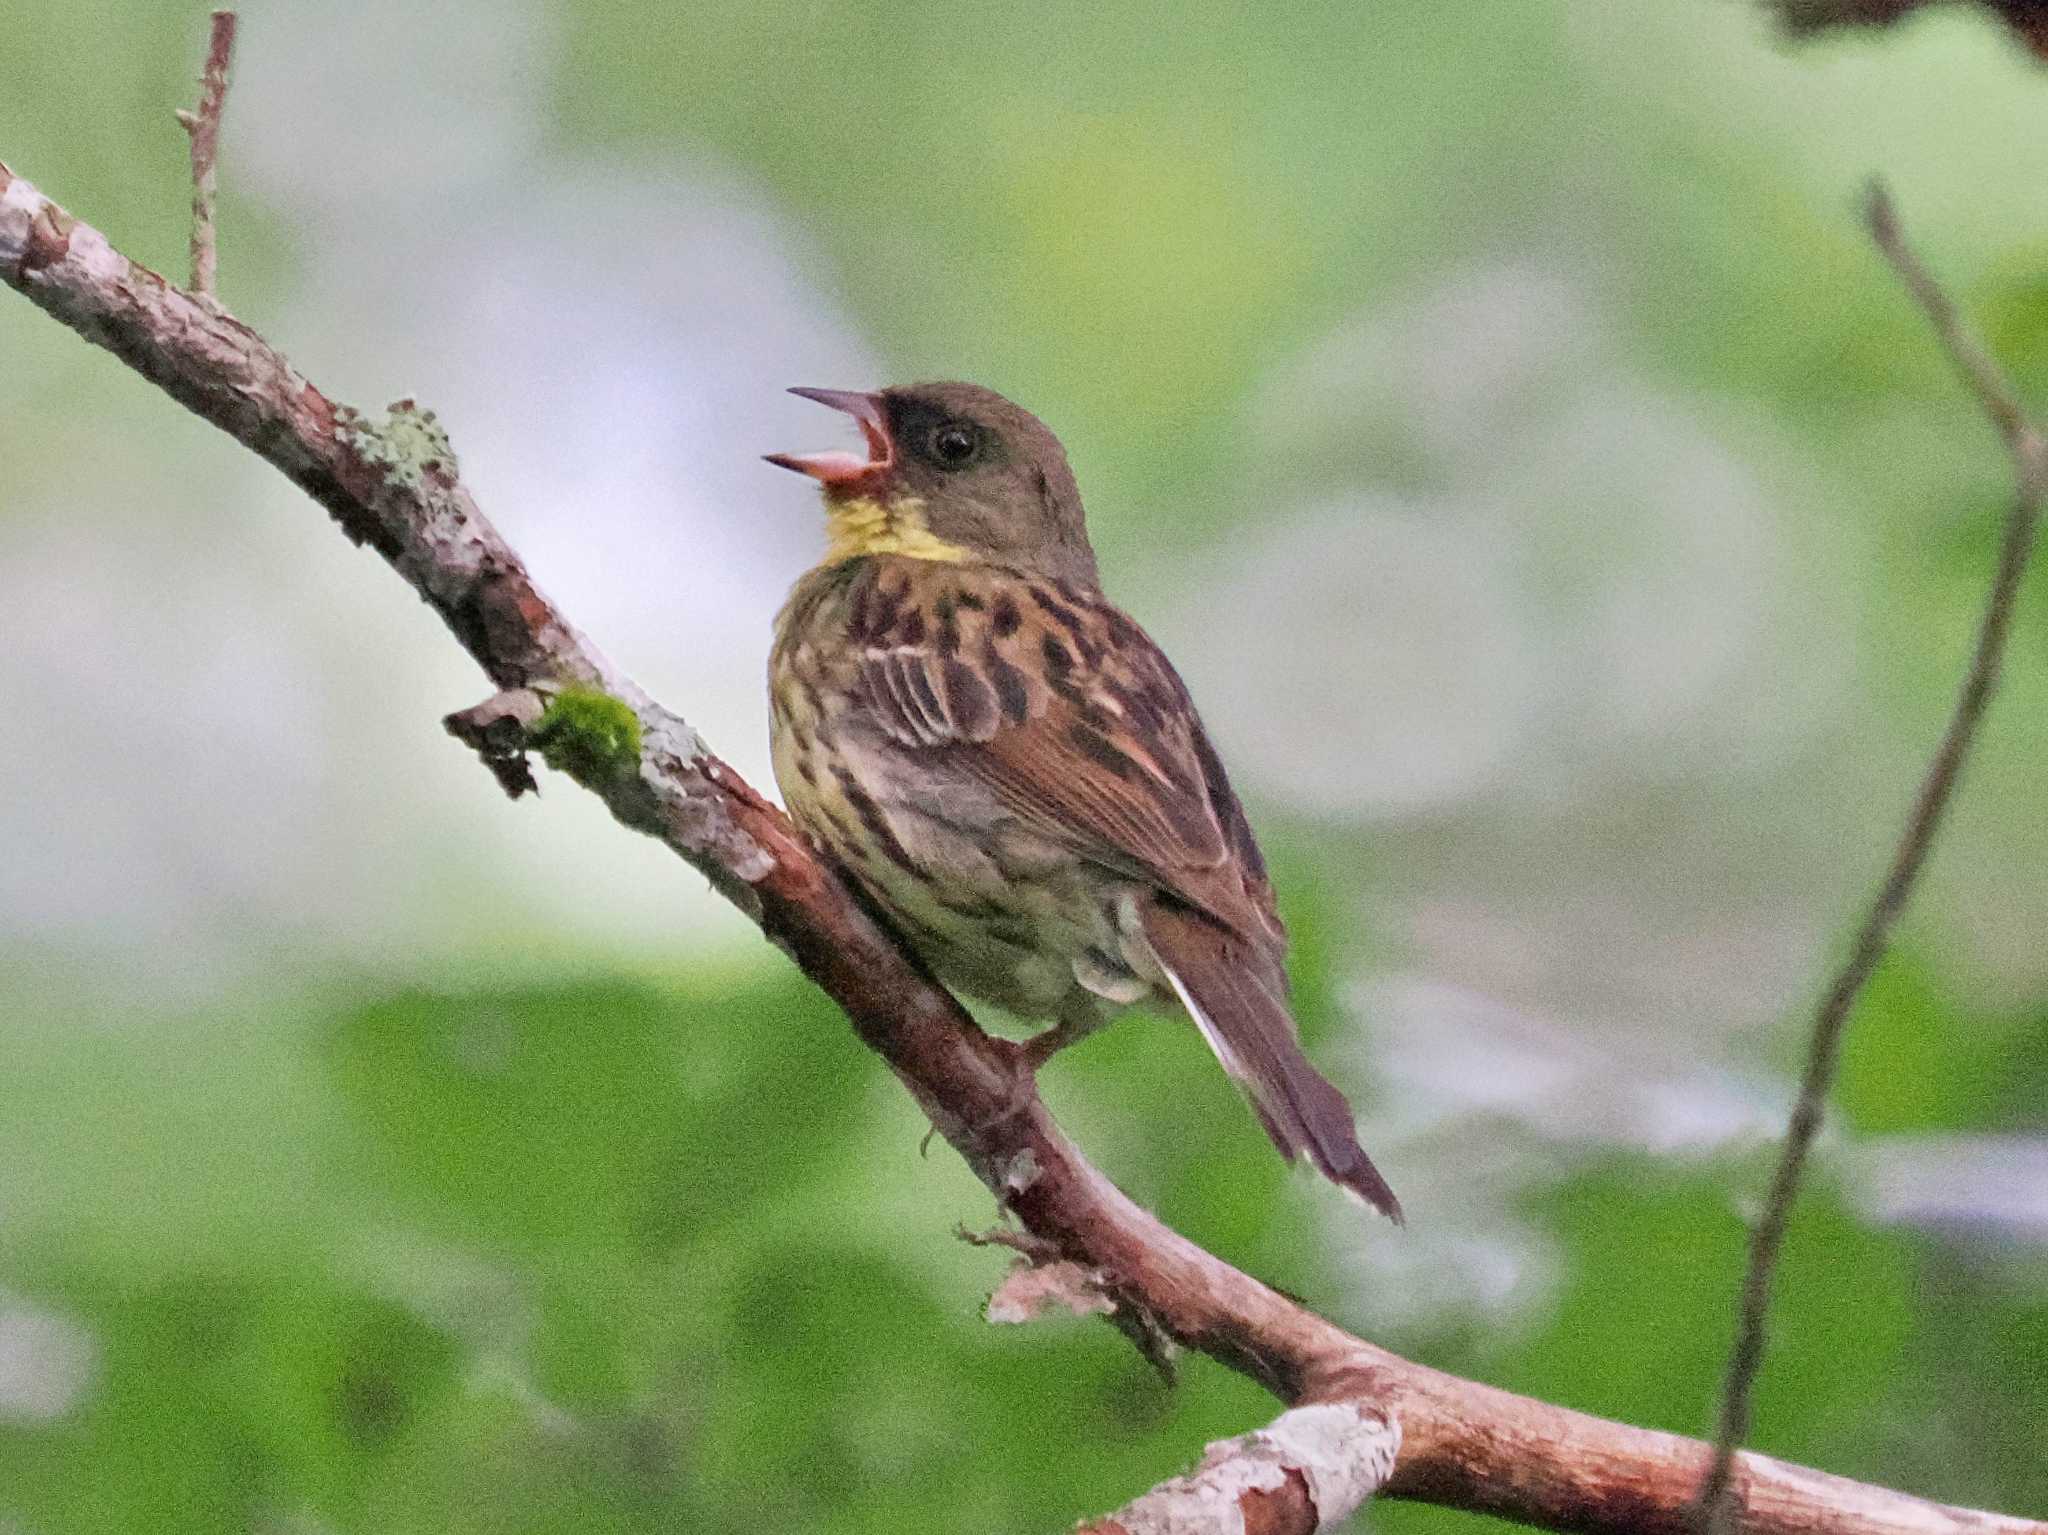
1569, 530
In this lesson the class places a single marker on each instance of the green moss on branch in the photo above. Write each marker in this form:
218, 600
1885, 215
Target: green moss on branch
590, 735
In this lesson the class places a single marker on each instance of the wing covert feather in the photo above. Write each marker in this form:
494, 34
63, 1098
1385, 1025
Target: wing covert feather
1079, 725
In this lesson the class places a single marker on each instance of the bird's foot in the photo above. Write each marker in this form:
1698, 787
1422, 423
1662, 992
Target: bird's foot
1043, 1046
1075, 1025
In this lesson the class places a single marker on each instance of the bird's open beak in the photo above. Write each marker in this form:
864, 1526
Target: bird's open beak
837, 468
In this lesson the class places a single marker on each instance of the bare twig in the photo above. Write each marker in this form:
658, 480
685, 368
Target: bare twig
203, 128
1980, 374
1996, 397
395, 486
1023, 1243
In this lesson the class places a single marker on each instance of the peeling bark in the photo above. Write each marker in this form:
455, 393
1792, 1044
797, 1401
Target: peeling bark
1308, 1470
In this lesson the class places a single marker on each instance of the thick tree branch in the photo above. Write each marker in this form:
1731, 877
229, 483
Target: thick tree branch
1937, 789
394, 486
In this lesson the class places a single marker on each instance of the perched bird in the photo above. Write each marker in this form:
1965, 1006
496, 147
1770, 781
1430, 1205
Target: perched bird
1012, 770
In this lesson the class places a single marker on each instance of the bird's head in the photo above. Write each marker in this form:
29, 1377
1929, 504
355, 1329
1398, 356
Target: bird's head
951, 472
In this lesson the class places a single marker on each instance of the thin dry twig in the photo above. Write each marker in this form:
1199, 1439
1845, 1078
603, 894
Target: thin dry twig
1037, 1249
1996, 397
203, 128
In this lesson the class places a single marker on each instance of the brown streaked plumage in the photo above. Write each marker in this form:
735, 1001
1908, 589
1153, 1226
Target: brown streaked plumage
1012, 770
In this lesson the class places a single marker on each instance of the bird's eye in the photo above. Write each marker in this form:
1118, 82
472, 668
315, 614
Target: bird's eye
953, 444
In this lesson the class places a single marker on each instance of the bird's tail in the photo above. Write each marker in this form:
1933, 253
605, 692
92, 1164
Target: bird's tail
1235, 998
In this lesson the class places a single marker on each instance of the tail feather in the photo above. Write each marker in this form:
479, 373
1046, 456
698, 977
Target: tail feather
1234, 997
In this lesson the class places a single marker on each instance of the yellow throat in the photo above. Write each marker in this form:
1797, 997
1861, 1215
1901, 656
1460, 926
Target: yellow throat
864, 525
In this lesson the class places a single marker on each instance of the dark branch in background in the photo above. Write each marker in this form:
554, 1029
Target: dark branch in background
1937, 789
203, 128
395, 486
2028, 19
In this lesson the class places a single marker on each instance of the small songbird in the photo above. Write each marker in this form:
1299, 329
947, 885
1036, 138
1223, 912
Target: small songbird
1012, 770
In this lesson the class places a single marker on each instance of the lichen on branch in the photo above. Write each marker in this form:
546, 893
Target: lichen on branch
409, 445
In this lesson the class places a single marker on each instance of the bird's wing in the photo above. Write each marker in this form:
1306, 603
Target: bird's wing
1077, 722
1065, 709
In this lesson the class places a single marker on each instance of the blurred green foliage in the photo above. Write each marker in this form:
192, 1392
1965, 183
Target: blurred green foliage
601, 1263
596, 1257
618, 1254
